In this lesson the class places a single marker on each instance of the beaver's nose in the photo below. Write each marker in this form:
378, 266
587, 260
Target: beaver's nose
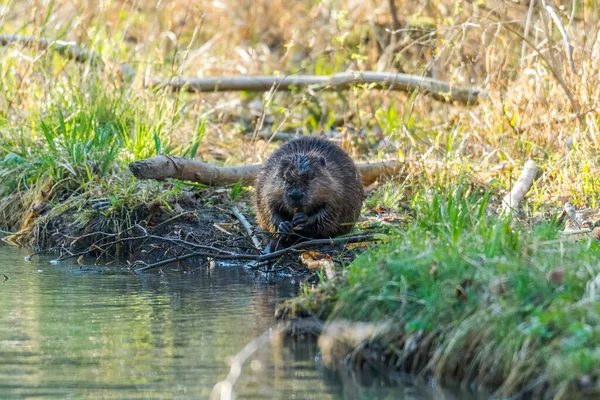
296, 194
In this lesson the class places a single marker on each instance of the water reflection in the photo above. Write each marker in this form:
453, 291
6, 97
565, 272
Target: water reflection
116, 335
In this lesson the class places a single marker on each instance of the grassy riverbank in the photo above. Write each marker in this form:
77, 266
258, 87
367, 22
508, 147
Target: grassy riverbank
505, 302
475, 298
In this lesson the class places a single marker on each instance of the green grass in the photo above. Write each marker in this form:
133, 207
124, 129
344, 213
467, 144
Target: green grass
481, 286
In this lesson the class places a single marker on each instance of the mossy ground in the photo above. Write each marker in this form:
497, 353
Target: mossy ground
505, 303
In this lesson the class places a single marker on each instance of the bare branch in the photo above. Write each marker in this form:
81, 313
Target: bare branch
223, 390
559, 78
511, 200
162, 167
526, 33
261, 257
563, 33
246, 226
439, 90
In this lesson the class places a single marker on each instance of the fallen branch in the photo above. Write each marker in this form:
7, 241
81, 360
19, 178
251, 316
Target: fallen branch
511, 200
162, 167
259, 257
236, 212
440, 90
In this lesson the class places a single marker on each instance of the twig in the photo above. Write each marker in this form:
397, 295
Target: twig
246, 226
261, 257
282, 136
563, 33
511, 200
576, 231
183, 214
223, 390
559, 78
68, 49
394, 12
526, 33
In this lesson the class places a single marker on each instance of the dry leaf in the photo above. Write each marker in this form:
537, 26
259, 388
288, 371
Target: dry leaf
380, 210
314, 261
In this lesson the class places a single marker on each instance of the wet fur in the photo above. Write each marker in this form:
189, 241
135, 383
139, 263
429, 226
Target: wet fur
332, 198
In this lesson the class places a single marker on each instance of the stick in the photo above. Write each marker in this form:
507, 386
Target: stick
439, 90
550, 63
162, 167
223, 390
246, 226
511, 200
563, 33
282, 136
526, 33
261, 257
70, 50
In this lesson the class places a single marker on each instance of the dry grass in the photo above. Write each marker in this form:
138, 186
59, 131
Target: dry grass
531, 112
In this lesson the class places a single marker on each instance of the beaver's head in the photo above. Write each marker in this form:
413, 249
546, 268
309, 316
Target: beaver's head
305, 179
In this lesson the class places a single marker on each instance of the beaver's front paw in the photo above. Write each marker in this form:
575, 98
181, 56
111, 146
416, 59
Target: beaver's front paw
285, 227
299, 221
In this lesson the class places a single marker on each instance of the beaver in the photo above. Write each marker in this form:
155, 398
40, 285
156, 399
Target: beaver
308, 188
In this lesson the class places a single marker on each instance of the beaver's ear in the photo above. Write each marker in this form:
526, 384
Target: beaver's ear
285, 162
284, 165
323, 161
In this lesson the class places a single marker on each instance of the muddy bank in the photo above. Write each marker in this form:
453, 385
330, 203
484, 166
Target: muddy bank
191, 229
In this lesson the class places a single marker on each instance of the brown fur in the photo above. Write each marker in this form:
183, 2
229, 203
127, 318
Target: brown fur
331, 187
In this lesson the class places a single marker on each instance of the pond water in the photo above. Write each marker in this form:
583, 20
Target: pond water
122, 336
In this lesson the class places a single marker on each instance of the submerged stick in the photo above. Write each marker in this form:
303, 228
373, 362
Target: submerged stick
261, 257
511, 200
223, 390
439, 90
162, 167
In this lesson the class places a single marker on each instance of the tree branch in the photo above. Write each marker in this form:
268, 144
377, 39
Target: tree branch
162, 167
260, 257
511, 200
439, 90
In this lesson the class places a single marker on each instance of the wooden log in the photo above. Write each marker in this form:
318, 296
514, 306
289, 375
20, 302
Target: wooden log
439, 90
162, 167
